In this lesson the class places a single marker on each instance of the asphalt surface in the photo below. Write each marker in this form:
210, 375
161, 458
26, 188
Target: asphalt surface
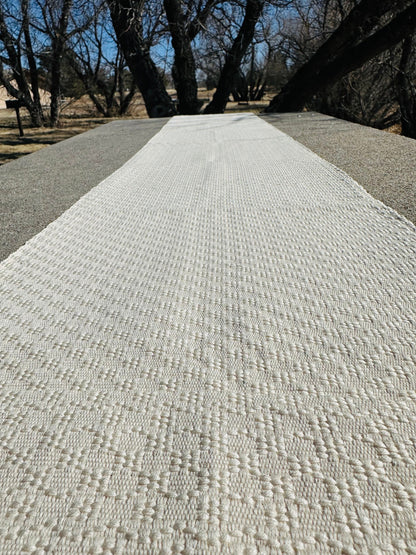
383, 163
37, 188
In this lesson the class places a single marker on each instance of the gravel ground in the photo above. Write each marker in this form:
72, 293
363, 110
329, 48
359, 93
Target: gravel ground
383, 163
37, 188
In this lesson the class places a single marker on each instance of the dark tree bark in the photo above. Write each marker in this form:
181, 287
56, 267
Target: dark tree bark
183, 33
234, 57
58, 45
348, 48
34, 76
183, 72
200, 19
406, 89
125, 99
239, 91
126, 18
22, 91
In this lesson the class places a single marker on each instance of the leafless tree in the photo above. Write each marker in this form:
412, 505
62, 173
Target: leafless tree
234, 56
16, 38
97, 59
265, 66
352, 58
365, 95
186, 19
362, 35
59, 21
127, 18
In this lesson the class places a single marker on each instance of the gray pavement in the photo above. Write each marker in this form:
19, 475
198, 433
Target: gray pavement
37, 188
383, 163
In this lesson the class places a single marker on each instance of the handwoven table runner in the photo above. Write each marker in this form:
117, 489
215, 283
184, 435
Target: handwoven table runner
212, 351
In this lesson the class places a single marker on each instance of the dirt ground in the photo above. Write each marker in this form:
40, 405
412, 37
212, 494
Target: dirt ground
76, 118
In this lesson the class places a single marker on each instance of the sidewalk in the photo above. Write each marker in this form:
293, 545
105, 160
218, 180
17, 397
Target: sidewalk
383, 163
36, 189
212, 351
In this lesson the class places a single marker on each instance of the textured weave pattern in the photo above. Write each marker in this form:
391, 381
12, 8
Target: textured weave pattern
212, 351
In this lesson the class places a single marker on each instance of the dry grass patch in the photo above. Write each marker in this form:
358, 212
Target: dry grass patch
77, 117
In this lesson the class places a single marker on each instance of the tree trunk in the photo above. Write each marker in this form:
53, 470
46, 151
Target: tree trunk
34, 76
234, 57
184, 65
336, 57
239, 90
58, 45
22, 92
55, 87
98, 105
406, 89
35, 112
125, 99
126, 18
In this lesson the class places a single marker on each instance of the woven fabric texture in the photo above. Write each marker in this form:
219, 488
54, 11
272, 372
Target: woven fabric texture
213, 351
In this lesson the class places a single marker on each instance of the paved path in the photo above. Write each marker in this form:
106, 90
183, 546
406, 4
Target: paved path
212, 351
383, 163
36, 189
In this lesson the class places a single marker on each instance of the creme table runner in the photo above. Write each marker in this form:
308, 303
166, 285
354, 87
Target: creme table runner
212, 351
